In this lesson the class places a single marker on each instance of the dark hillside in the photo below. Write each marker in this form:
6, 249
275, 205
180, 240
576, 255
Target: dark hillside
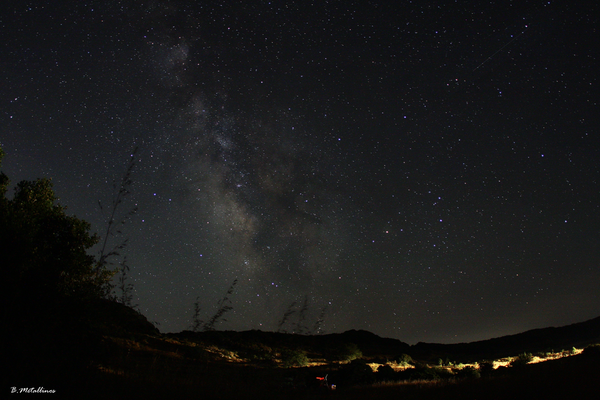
116, 353
537, 340
370, 345
112, 317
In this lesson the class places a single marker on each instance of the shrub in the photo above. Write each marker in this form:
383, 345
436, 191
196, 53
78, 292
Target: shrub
469, 372
443, 373
196, 353
385, 373
486, 368
258, 352
568, 352
425, 372
347, 352
405, 359
522, 360
293, 358
357, 372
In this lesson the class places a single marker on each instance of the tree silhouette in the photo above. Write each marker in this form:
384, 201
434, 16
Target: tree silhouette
44, 250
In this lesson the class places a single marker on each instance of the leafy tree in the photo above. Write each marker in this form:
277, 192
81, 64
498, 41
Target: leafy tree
44, 250
52, 286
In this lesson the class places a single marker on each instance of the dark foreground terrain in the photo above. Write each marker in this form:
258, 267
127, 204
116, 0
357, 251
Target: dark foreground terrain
114, 353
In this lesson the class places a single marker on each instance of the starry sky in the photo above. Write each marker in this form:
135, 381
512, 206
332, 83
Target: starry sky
425, 170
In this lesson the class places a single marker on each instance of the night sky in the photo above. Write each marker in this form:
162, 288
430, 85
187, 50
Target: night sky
425, 170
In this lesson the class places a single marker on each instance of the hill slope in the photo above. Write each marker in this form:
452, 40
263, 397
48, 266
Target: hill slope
537, 340
372, 346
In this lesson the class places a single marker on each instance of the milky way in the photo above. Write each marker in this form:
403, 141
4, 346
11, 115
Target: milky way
263, 190
268, 196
